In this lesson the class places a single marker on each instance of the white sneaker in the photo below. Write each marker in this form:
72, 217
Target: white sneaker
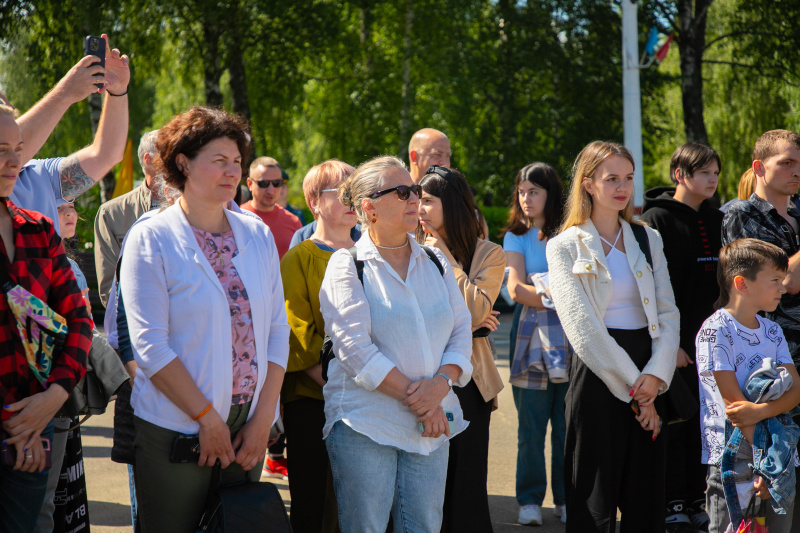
560, 511
530, 515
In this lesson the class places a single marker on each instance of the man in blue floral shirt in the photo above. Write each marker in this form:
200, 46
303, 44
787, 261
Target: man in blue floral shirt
771, 216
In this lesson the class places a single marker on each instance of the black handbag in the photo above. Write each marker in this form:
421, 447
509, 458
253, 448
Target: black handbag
681, 403
247, 506
105, 375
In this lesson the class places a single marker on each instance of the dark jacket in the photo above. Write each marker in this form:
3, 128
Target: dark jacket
692, 241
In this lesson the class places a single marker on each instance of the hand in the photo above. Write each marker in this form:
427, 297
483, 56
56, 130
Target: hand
117, 72
434, 239
435, 423
80, 81
645, 389
85, 293
683, 359
33, 414
649, 420
315, 373
215, 441
251, 443
490, 322
426, 394
742, 413
130, 368
762, 491
30, 455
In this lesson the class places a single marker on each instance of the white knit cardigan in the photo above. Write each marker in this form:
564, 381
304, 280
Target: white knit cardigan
580, 284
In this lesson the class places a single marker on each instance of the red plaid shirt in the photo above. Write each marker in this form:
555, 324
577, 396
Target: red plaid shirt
41, 267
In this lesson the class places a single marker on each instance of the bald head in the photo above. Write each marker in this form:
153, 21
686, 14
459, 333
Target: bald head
427, 147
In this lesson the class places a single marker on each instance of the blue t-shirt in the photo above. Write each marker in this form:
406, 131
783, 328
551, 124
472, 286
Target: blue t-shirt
530, 247
38, 188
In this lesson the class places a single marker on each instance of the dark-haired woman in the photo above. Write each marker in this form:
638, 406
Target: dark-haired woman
206, 317
448, 222
538, 391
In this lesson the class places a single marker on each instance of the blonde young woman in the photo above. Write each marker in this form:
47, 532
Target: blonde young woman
620, 317
402, 339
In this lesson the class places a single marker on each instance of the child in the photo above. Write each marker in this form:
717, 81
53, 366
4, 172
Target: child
730, 345
691, 228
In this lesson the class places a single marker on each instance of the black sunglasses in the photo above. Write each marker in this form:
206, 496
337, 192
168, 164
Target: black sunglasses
403, 191
263, 184
439, 171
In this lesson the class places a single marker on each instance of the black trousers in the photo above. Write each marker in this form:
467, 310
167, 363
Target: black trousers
686, 474
610, 461
466, 502
310, 480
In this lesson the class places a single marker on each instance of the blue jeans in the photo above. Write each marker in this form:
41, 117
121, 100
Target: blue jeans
22, 495
372, 481
132, 487
534, 409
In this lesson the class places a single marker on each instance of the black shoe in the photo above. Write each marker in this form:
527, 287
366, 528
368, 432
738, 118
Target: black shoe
677, 521
698, 516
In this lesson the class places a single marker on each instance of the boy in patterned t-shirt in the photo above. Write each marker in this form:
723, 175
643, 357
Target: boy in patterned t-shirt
732, 342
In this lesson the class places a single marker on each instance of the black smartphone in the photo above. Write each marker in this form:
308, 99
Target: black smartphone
185, 449
481, 332
96, 46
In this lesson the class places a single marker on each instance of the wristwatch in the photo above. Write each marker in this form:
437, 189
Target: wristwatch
447, 378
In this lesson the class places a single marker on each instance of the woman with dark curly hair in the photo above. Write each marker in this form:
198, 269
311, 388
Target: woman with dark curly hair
205, 310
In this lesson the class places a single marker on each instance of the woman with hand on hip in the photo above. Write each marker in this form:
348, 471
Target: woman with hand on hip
402, 339
539, 389
205, 311
33, 259
302, 270
619, 314
448, 222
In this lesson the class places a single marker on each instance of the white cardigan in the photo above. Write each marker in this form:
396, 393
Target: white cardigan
580, 284
176, 307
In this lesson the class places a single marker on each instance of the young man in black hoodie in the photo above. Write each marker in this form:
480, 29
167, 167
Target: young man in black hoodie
691, 229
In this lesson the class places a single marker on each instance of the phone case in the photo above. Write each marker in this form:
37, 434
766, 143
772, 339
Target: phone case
8, 454
185, 449
450, 423
96, 46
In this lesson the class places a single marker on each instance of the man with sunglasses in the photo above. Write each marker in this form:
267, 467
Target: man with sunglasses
265, 183
427, 147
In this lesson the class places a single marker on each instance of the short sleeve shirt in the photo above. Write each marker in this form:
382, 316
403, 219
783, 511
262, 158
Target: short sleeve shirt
725, 344
38, 188
530, 247
220, 249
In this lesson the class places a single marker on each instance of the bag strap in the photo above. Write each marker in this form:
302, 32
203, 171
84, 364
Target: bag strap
6, 283
433, 258
359, 264
643, 239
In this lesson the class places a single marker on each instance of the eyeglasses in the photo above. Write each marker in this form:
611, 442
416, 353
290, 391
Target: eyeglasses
329, 190
403, 191
439, 171
263, 184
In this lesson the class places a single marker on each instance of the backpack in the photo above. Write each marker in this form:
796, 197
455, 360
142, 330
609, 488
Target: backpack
326, 354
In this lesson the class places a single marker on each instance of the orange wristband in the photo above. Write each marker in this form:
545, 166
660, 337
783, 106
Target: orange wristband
203, 413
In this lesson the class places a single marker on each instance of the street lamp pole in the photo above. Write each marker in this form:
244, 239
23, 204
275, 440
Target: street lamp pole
632, 95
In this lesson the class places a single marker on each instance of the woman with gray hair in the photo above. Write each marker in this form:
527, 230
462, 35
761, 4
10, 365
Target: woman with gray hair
402, 338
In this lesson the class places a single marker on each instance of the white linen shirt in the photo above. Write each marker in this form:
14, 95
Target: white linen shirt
176, 308
416, 325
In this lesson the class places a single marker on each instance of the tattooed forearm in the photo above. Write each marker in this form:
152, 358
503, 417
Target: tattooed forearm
74, 180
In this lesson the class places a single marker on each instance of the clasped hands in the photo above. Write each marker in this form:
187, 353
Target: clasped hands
644, 392
423, 399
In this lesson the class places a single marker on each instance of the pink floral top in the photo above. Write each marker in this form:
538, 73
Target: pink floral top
220, 249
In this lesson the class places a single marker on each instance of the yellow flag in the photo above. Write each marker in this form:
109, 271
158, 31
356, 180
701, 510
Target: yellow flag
125, 172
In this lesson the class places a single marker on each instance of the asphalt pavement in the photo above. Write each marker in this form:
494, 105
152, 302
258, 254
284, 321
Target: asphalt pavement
109, 501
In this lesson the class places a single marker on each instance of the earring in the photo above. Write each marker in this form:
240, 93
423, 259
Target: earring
374, 219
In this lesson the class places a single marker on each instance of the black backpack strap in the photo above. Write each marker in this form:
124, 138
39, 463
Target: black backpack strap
359, 264
643, 239
433, 257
